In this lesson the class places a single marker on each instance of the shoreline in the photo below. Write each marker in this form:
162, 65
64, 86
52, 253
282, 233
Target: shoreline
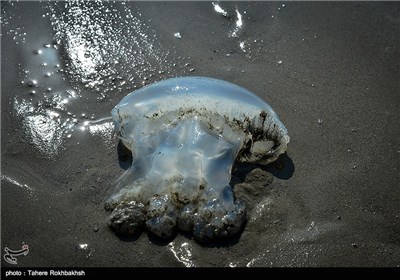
334, 203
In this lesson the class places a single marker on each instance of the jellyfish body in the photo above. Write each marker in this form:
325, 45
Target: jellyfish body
184, 135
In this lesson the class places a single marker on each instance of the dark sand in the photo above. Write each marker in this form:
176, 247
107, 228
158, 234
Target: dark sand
336, 201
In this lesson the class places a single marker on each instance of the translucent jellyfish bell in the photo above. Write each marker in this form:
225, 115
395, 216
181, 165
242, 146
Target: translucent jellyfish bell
185, 134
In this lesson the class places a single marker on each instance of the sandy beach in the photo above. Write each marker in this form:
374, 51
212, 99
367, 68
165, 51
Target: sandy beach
330, 70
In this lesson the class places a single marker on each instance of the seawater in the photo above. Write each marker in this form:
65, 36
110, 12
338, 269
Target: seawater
77, 59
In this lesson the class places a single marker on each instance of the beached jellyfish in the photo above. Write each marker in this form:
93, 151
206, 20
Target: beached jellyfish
184, 135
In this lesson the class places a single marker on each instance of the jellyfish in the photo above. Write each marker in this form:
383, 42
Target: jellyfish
185, 134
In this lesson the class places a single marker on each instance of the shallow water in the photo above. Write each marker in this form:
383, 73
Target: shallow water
65, 65
79, 52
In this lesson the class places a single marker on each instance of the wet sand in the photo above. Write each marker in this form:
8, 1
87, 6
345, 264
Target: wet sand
329, 70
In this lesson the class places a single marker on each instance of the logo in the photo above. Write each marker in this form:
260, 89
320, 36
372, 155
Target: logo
10, 255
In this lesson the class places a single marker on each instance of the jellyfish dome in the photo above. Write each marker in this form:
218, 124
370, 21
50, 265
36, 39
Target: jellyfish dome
185, 135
